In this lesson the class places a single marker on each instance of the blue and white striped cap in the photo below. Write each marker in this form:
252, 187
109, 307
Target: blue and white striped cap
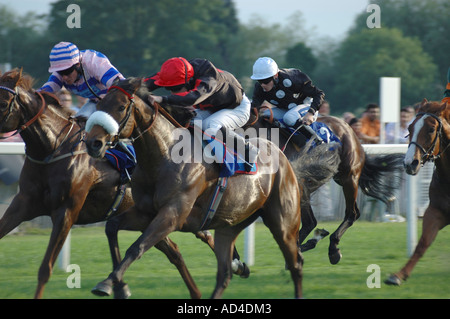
63, 56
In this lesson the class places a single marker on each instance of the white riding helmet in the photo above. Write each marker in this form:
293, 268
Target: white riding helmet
264, 68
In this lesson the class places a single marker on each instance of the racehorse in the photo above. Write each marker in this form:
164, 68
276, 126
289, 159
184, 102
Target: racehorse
60, 179
372, 173
174, 196
429, 140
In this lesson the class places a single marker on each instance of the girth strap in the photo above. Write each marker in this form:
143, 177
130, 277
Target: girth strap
215, 201
117, 201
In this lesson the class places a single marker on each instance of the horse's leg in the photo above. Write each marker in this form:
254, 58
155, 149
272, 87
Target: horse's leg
285, 233
60, 230
224, 240
18, 211
433, 221
170, 249
350, 188
133, 220
309, 222
162, 225
239, 267
206, 237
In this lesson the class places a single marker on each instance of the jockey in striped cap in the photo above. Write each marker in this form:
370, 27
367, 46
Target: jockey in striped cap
88, 74
85, 73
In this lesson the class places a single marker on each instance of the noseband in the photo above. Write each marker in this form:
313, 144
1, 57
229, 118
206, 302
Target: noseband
428, 154
124, 121
156, 107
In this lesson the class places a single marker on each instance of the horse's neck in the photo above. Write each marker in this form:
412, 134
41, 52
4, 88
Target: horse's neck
443, 162
153, 147
47, 133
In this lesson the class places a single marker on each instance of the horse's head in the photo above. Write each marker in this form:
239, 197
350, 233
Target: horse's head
426, 134
12, 91
114, 117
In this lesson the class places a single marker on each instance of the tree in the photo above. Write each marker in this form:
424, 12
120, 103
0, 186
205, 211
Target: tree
21, 42
364, 57
426, 20
139, 35
301, 57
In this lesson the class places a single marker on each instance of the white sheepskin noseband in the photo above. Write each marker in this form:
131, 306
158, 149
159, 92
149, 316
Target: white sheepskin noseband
104, 120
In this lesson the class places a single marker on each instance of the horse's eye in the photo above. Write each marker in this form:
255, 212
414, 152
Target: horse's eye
122, 108
431, 130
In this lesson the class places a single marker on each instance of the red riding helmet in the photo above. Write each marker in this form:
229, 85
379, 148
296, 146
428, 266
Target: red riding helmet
175, 71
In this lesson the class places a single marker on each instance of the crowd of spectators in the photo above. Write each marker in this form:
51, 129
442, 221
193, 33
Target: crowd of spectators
368, 126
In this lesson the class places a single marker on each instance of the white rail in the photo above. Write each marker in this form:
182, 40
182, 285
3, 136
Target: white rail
11, 148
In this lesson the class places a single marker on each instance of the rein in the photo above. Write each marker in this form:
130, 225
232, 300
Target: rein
49, 159
428, 155
157, 108
32, 120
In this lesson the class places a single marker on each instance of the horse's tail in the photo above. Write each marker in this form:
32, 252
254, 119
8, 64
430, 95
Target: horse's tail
315, 167
381, 176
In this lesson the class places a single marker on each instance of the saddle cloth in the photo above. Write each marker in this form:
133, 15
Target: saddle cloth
124, 162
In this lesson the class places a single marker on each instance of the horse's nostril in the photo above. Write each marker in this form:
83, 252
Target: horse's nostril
97, 144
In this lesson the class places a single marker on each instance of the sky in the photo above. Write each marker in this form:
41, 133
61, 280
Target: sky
331, 18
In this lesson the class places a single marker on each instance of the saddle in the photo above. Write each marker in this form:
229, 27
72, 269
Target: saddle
300, 134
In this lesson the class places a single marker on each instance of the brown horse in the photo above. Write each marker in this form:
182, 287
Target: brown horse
373, 174
429, 140
172, 196
60, 179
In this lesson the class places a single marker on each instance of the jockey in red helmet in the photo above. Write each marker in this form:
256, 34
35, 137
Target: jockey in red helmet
216, 95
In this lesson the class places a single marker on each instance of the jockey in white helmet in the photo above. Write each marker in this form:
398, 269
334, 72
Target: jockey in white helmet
293, 98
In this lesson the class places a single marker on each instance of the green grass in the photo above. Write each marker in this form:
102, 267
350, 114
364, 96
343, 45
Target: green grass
154, 277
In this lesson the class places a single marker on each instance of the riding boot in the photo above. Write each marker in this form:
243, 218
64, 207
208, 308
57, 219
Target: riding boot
306, 133
242, 148
299, 138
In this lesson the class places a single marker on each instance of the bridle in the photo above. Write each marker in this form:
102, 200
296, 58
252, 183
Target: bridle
10, 108
124, 121
157, 109
51, 158
428, 154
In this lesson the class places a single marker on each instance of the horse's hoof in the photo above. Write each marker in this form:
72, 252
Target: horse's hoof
246, 272
320, 233
240, 268
393, 280
121, 291
103, 289
335, 257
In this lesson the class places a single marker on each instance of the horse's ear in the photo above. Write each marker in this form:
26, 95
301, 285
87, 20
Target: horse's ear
424, 101
443, 106
116, 81
135, 83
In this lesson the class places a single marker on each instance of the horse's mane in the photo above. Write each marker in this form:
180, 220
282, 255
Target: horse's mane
434, 107
181, 114
25, 81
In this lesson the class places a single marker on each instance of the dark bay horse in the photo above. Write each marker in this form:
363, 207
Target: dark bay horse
374, 174
172, 196
60, 179
429, 140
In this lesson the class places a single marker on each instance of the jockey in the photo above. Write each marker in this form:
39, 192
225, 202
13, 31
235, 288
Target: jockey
294, 99
216, 95
88, 74
85, 73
